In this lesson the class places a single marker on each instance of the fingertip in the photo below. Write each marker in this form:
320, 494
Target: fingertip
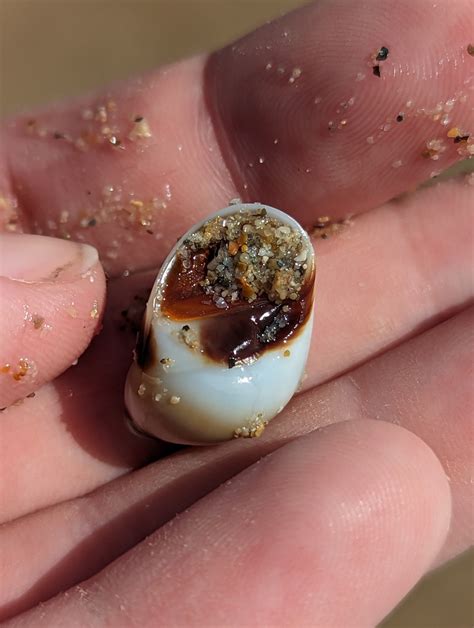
363, 509
332, 529
318, 132
52, 299
377, 510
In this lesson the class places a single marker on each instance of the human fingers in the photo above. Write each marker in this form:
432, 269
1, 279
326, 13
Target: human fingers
396, 271
358, 510
51, 299
198, 142
424, 385
319, 132
72, 432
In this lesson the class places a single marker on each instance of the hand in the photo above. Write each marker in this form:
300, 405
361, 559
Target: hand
362, 484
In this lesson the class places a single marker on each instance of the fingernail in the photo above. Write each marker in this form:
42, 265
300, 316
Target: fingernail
40, 259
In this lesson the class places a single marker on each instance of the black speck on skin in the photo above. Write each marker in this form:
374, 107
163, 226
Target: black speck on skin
138, 119
58, 136
400, 117
376, 70
382, 54
461, 138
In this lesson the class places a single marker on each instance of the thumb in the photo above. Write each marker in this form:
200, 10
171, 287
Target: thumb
52, 295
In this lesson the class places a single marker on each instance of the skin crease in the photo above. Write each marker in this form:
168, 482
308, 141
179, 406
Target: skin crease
412, 259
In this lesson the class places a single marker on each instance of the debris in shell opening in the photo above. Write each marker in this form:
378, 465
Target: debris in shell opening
248, 255
248, 276
263, 252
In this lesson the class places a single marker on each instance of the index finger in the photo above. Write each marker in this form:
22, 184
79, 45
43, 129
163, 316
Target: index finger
294, 115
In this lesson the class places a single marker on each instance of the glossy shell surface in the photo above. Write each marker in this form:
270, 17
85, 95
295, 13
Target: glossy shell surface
176, 392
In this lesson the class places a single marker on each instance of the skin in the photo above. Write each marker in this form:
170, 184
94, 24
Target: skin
362, 484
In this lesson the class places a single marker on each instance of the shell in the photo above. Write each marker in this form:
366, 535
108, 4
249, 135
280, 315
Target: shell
179, 390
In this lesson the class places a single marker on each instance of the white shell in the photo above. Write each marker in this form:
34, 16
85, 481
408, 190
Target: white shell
192, 399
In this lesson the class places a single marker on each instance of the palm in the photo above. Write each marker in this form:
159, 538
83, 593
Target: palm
392, 317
